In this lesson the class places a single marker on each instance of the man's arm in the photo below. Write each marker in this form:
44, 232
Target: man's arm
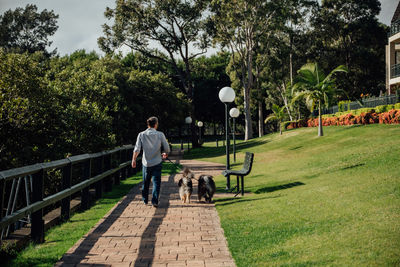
165, 146
136, 151
134, 157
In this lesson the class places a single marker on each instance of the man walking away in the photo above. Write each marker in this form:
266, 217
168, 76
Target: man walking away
152, 142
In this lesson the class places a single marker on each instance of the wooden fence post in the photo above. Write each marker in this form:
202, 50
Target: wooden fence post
37, 228
2, 194
98, 170
117, 175
123, 160
66, 183
107, 180
85, 196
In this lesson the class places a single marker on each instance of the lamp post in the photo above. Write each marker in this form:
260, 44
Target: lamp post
227, 95
188, 121
200, 124
234, 112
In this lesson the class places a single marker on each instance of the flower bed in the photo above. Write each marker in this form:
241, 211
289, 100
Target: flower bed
389, 117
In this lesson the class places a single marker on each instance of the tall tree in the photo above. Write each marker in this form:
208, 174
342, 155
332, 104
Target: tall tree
297, 14
240, 25
25, 106
27, 30
174, 26
348, 32
316, 87
287, 49
209, 75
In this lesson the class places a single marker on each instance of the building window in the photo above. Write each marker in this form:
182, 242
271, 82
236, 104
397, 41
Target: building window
397, 57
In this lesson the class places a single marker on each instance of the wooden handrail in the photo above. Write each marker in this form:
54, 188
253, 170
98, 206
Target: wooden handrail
102, 170
56, 197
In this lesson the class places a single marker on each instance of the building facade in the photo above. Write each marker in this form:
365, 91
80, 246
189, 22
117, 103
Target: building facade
393, 54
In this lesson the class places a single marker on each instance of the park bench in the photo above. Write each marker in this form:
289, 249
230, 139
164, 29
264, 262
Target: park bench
248, 163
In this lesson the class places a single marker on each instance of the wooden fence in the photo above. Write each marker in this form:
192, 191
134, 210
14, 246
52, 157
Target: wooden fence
100, 171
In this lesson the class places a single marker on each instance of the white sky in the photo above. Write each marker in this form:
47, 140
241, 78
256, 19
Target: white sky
80, 20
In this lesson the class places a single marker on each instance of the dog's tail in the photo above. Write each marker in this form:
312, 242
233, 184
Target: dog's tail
210, 187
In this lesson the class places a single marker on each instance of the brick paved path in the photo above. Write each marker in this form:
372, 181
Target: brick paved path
174, 234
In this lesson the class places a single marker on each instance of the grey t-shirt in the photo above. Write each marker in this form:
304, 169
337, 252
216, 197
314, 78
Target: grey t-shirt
151, 141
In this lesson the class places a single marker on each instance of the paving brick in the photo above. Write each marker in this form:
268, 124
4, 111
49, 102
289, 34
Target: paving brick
195, 263
186, 256
168, 256
121, 264
115, 258
177, 264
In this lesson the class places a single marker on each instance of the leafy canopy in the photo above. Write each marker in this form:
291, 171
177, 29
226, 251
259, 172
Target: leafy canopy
167, 30
315, 86
27, 30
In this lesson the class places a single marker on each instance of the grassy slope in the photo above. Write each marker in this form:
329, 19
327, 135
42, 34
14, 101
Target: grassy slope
60, 238
324, 201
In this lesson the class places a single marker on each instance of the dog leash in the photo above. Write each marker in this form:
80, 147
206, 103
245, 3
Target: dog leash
176, 164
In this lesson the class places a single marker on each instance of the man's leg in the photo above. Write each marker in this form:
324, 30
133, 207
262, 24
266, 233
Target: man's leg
156, 175
146, 184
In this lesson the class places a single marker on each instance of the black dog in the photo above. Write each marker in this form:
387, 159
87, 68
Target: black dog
206, 187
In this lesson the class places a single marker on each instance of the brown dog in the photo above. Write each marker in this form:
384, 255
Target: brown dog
185, 185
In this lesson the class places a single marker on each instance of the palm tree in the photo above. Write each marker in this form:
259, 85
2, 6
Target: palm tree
278, 115
316, 88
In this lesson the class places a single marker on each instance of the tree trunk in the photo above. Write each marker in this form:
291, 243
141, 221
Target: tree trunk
291, 66
194, 138
287, 107
285, 101
291, 55
298, 113
260, 119
248, 122
214, 129
320, 132
248, 133
280, 128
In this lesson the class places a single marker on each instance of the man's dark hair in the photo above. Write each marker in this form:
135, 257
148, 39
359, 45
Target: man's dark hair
152, 121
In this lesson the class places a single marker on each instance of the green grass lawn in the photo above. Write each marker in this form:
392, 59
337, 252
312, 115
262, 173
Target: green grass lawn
328, 201
60, 238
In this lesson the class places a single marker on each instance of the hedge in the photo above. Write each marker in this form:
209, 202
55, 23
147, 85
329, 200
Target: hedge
389, 117
377, 109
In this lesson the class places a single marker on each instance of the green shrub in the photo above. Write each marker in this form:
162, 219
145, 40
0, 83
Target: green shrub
363, 110
344, 105
357, 112
338, 114
383, 108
